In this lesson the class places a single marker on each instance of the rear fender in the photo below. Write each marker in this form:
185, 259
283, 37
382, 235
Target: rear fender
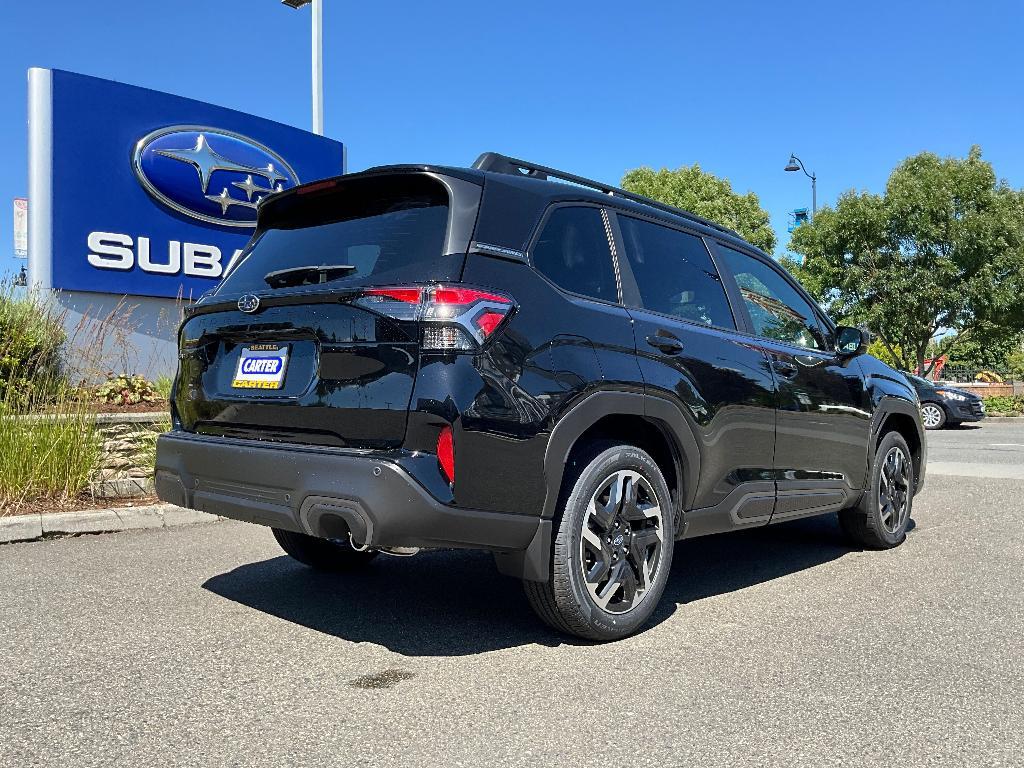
596, 406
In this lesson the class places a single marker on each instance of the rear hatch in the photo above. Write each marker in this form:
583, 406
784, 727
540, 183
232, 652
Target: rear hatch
308, 338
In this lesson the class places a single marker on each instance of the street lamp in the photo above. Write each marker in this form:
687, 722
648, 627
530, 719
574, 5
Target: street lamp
318, 60
796, 164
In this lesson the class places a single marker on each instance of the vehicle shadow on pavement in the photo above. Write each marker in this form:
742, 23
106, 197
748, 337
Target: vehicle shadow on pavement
454, 603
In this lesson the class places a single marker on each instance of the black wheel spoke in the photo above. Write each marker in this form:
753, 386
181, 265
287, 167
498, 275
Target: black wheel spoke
630, 509
640, 544
606, 593
606, 506
628, 582
598, 572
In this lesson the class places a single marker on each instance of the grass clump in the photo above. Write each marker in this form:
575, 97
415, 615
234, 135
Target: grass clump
49, 444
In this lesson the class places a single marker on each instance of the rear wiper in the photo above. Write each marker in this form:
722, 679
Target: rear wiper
303, 275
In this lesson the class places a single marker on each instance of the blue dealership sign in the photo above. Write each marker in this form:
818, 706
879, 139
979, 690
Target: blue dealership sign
152, 194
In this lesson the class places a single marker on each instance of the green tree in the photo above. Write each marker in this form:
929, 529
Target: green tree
893, 358
706, 195
941, 250
987, 348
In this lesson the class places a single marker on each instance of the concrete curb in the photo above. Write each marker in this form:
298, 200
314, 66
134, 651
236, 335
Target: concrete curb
38, 526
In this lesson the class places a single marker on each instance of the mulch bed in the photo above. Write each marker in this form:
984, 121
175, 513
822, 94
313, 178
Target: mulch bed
160, 405
81, 504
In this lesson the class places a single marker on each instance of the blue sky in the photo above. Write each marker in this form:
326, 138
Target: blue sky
595, 88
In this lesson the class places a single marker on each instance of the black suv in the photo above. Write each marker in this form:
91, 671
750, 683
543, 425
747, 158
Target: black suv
516, 359
943, 406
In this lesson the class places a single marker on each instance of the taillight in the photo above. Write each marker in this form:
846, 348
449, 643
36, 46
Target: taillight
399, 303
446, 454
454, 318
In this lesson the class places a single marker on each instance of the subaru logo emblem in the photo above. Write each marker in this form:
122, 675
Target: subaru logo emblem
249, 303
212, 175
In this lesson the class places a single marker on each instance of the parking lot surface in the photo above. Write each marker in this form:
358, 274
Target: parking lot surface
206, 646
993, 449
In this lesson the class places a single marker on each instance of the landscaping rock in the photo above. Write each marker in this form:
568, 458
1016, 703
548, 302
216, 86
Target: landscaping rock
122, 488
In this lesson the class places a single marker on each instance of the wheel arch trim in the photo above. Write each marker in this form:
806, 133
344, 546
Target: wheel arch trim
591, 409
889, 406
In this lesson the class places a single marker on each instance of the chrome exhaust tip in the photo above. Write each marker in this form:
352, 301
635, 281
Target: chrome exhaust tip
393, 551
399, 551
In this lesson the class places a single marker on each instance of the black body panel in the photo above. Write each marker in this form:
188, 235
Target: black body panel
348, 382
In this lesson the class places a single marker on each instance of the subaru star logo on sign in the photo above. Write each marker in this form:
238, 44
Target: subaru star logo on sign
160, 198
215, 176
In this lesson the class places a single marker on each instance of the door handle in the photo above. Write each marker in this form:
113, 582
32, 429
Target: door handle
785, 369
666, 344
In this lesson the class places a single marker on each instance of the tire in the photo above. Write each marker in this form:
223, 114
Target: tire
322, 554
880, 520
933, 415
638, 559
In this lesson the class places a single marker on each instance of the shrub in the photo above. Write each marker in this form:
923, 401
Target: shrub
127, 390
1013, 404
31, 340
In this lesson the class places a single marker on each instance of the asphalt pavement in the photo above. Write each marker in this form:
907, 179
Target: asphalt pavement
205, 646
988, 449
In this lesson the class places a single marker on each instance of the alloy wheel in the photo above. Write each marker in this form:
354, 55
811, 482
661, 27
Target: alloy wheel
931, 415
894, 490
623, 536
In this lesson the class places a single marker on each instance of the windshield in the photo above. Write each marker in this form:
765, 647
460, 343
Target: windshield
375, 230
919, 382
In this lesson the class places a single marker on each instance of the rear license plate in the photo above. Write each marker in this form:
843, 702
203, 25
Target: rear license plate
261, 366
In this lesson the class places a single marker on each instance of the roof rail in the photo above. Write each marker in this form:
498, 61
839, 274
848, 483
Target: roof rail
498, 163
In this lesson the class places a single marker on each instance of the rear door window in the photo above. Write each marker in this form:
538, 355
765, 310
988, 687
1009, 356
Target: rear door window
674, 273
572, 251
364, 231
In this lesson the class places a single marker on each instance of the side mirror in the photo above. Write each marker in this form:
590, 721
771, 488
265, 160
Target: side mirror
851, 341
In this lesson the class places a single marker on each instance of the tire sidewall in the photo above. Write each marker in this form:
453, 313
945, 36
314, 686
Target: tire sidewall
613, 625
890, 441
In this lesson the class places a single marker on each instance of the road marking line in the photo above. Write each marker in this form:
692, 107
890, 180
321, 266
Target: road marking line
968, 469
1007, 445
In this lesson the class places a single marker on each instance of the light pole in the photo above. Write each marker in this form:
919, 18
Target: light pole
318, 59
796, 164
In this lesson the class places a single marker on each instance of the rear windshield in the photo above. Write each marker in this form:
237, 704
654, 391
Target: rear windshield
362, 231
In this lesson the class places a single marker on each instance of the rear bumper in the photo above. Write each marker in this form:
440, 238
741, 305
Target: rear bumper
324, 492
